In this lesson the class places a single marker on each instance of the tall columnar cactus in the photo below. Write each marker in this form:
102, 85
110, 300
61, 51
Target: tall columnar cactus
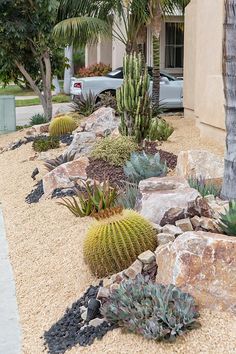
133, 99
113, 243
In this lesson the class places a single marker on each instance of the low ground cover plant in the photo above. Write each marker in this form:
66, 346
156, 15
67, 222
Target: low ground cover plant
204, 187
45, 143
114, 150
227, 221
62, 125
115, 240
38, 119
142, 166
155, 311
85, 104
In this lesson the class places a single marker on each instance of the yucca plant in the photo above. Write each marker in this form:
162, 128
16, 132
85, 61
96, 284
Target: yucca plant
85, 104
97, 197
155, 311
62, 125
227, 221
142, 166
60, 160
115, 240
160, 130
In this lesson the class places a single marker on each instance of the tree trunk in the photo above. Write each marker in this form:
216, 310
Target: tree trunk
48, 86
229, 77
156, 72
68, 72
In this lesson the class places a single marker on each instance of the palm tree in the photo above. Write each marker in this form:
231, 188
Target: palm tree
229, 77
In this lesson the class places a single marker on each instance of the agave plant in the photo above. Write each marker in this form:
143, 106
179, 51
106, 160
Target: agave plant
142, 166
60, 160
85, 104
203, 187
227, 221
153, 310
97, 197
160, 130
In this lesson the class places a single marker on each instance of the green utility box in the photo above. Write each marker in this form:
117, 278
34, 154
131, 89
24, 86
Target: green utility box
7, 114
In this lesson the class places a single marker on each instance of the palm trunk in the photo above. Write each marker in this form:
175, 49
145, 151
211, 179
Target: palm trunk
229, 76
156, 72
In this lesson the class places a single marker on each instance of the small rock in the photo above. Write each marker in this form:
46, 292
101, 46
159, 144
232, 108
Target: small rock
82, 309
199, 207
96, 322
103, 293
135, 269
84, 315
172, 215
210, 198
184, 224
147, 257
172, 229
93, 309
156, 227
164, 238
196, 221
149, 267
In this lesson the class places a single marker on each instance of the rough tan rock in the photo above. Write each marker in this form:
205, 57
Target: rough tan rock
184, 224
64, 176
147, 257
158, 195
41, 128
207, 224
102, 122
172, 229
199, 163
164, 238
203, 264
172, 215
82, 144
135, 269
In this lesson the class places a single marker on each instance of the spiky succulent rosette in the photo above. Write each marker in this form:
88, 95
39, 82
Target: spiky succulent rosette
114, 242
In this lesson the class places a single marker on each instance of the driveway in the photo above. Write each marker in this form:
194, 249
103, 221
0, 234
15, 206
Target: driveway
23, 114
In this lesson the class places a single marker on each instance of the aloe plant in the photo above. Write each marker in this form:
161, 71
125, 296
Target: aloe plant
227, 221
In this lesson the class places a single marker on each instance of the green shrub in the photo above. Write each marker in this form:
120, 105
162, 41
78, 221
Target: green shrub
62, 125
155, 311
128, 195
60, 160
97, 197
133, 99
113, 243
142, 166
203, 187
45, 143
227, 221
38, 119
114, 150
160, 130
85, 104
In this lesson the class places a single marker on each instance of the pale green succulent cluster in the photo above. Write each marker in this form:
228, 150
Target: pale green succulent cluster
153, 310
133, 99
160, 130
142, 166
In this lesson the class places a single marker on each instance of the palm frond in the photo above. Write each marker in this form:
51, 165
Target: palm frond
81, 30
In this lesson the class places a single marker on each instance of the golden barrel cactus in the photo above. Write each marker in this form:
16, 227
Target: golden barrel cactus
113, 243
62, 125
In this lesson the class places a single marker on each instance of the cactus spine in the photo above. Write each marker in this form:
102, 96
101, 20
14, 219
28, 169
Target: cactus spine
62, 125
113, 244
133, 99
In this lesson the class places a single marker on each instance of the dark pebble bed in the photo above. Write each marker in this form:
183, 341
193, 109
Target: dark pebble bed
70, 330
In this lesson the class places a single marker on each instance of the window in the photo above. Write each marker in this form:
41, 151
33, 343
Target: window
174, 46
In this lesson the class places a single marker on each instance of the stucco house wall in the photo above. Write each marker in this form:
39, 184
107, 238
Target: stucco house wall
203, 83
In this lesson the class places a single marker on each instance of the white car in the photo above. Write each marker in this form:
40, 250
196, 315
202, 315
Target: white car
171, 89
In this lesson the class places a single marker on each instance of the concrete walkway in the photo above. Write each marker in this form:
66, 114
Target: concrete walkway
23, 114
10, 336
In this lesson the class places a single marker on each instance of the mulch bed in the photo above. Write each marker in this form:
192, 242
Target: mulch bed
100, 169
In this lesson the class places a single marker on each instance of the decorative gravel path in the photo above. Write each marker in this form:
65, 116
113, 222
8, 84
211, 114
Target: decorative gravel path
10, 336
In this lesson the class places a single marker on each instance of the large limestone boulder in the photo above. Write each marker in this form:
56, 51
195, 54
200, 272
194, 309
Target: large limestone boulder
199, 163
203, 264
102, 122
158, 195
65, 176
82, 144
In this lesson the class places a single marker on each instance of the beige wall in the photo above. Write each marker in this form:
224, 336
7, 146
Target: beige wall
203, 84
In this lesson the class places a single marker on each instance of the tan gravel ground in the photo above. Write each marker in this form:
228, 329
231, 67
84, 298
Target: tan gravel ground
45, 243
